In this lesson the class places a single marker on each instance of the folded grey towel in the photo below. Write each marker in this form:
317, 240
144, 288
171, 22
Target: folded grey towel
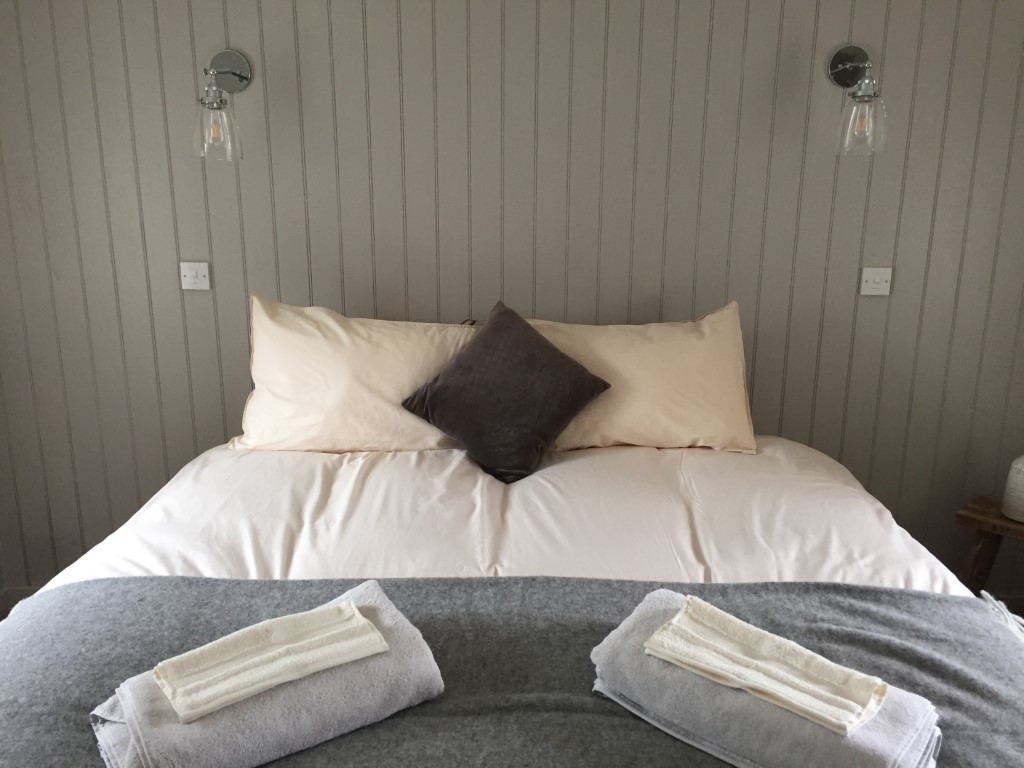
741, 729
137, 728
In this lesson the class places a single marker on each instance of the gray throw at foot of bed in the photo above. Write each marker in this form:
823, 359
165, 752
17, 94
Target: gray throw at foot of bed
515, 657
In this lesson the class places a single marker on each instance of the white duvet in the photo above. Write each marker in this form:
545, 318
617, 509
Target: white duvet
787, 513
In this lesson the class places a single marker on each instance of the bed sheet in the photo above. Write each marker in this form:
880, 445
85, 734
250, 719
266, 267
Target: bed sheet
788, 513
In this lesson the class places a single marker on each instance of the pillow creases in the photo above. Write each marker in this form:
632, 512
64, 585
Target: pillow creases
325, 382
673, 385
329, 383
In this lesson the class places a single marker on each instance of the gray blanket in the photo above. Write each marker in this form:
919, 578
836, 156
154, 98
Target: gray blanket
515, 657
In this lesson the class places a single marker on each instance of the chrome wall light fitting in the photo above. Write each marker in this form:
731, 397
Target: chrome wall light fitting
862, 130
216, 136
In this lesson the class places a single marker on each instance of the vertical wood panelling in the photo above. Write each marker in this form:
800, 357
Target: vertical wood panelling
253, 182
230, 305
585, 160
683, 158
992, 418
820, 190
842, 259
753, 159
878, 240
67, 296
486, 51
419, 142
192, 206
13, 565
122, 186
618, 179
996, 426
451, 158
718, 157
21, 426
32, 255
587, 99
355, 199
116, 438
321, 193
550, 216
942, 270
648, 217
28, 477
921, 173
518, 152
977, 254
153, 140
388, 159
799, 62
280, 61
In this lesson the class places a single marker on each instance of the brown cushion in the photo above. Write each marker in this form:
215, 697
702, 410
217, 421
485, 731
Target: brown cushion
506, 395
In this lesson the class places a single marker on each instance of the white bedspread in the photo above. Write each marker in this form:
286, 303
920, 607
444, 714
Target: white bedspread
788, 513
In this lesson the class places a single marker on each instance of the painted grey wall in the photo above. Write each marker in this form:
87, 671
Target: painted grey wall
587, 161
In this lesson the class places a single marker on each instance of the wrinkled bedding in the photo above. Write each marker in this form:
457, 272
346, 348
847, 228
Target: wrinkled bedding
788, 513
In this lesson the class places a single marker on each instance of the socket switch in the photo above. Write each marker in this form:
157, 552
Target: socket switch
876, 281
195, 275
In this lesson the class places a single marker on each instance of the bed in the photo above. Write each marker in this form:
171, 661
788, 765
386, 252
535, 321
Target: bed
786, 513
511, 585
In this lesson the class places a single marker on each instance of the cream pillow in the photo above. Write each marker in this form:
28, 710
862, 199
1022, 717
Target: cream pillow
324, 382
673, 385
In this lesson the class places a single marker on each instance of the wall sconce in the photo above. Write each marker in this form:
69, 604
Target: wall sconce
862, 131
216, 136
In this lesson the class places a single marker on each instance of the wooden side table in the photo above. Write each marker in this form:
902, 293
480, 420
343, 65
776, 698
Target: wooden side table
990, 526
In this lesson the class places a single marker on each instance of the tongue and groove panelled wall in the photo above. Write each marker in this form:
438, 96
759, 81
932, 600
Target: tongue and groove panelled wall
584, 160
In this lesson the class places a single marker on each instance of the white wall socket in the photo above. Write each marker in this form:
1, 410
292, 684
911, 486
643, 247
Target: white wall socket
195, 275
876, 281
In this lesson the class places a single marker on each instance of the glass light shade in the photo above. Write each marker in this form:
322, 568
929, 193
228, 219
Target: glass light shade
216, 136
863, 127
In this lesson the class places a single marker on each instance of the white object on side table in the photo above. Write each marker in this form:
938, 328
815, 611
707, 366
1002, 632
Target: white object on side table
1013, 497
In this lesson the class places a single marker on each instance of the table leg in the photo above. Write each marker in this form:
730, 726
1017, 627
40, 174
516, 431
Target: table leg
980, 557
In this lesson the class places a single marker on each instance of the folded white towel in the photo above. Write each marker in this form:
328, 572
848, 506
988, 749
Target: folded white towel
257, 658
720, 647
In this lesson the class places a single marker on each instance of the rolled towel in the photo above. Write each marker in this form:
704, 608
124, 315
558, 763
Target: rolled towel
744, 730
138, 728
712, 643
257, 658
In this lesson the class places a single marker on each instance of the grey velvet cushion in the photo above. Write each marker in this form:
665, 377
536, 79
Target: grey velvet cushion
506, 395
